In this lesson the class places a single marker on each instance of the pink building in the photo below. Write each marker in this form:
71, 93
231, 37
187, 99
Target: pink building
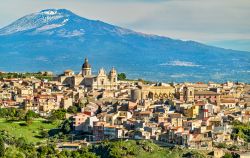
211, 96
79, 121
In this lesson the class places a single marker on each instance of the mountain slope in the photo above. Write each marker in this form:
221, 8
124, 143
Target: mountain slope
58, 39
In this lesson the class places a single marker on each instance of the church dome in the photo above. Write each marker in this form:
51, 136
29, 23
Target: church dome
113, 71
86, 64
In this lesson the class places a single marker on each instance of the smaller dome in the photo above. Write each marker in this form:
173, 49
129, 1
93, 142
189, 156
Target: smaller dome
86, 64
113, 71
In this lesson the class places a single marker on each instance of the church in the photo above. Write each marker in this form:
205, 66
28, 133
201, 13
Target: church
85, 78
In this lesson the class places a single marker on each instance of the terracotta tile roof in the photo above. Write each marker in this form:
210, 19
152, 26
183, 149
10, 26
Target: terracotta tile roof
205, 93
145, 112
228, 101
175, 115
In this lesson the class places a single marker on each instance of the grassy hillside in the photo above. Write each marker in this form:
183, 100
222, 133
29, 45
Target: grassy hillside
29, 132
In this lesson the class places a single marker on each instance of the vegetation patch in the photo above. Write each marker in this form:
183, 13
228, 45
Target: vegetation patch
30, 132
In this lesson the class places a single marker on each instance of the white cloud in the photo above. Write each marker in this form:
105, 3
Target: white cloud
180, 63
42, 58
179, 75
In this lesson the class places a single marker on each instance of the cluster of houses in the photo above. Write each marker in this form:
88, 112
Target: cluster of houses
196, 119
194, 115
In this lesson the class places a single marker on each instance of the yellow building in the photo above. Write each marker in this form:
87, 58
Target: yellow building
193, 112
156, 92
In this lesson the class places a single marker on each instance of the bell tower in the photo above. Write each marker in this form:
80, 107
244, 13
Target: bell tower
188, 94
86, 68
113, 76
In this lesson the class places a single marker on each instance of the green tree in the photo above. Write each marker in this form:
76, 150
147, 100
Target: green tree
195, 154
241, 130
47, 151
228, 155
20, 142
2, 147
13, 152
44, 134
57, 115
66, 126
121, 76
222, 145
30, 115
20, 114
72, 109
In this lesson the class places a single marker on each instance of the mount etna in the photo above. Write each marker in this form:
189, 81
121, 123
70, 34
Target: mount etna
57, 39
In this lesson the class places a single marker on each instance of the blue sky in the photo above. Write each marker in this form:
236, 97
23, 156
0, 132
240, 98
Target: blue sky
224, 23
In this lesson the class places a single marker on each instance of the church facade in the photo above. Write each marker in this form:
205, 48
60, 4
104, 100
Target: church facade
85, 78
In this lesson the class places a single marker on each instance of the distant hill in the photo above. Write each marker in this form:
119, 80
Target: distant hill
57, 39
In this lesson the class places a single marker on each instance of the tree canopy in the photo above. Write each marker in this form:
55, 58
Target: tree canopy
121, 76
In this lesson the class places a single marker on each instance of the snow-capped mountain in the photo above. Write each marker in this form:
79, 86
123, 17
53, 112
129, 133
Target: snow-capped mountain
59, 22
57, 39
41, 21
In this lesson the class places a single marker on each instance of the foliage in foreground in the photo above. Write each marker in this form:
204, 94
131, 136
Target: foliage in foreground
241, 130
20, 148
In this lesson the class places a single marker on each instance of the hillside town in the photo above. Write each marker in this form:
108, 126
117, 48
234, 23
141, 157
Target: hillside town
192, 115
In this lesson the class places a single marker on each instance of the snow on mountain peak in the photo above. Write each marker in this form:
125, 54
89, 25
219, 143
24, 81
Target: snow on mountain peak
44, 20
63, 23
48, 27
50, 12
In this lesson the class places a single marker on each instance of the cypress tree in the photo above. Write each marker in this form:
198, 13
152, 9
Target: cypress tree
2, 148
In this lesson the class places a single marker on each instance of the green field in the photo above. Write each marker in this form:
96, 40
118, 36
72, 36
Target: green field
30, 132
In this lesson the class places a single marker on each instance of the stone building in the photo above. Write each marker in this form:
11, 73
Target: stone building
152, 92
85, 78
190, 95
